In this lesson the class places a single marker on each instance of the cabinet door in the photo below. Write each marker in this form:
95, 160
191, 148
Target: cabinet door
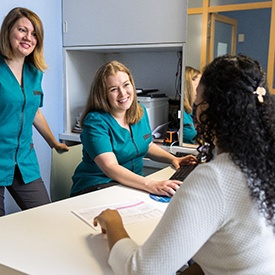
123, 22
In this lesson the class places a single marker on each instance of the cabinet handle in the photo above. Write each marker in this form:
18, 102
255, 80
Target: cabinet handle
65, 26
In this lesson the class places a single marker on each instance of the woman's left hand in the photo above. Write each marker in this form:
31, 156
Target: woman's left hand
60, 147
186, 160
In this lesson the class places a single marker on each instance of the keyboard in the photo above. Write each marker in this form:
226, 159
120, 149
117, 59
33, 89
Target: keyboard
183, 172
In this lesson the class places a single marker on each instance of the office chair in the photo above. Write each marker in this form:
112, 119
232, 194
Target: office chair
62, 169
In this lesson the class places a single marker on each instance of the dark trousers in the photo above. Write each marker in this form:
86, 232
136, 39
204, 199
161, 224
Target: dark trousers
94, 188
25, 195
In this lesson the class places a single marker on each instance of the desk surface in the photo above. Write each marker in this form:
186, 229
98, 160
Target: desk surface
51, 240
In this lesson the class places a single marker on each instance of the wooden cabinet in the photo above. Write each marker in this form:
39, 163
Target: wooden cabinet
148, 36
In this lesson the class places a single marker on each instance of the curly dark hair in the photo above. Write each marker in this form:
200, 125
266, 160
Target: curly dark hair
241, 124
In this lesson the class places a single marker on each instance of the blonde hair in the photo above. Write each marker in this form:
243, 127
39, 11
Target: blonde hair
37, 56
190, 75
98, 101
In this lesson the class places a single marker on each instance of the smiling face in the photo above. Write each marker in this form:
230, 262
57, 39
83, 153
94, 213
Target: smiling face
120, 93
22, 38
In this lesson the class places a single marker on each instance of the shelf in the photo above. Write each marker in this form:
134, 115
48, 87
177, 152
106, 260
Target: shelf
146, 47
81, 66
70, 137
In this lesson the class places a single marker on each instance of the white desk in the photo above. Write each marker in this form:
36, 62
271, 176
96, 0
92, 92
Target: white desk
52, 240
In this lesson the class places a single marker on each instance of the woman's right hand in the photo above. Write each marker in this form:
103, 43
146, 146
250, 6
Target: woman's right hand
166, 187
107, 217
111, 224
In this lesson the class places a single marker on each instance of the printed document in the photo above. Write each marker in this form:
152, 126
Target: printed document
132, 211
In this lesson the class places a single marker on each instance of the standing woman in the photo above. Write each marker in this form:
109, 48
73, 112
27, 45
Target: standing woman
21, 96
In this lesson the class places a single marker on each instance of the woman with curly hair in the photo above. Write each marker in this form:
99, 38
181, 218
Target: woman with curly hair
239, 120
223, 216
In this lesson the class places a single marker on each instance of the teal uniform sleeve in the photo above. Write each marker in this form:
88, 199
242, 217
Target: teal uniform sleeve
96, 135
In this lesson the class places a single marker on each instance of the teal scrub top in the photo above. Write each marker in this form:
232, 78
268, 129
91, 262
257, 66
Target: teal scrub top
101, 133
189, 131
18, 106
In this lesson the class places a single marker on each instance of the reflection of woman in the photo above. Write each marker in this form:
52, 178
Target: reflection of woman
192, 78
21, 66
116, 136
223, 216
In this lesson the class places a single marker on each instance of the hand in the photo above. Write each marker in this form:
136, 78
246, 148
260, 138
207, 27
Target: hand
187, 160
106, 218
61, 147
111, 224
166, 187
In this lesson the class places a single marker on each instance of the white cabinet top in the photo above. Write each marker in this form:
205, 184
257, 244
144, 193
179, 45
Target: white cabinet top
123, 22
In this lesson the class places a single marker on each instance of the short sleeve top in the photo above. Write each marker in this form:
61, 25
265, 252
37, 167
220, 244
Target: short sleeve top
102, 133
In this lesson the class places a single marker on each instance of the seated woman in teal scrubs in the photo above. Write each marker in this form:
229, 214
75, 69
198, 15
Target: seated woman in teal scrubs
116, 137
192, 79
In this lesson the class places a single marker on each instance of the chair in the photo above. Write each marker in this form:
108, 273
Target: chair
62, 169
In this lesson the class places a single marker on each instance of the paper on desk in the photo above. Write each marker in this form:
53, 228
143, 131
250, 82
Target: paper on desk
131, 212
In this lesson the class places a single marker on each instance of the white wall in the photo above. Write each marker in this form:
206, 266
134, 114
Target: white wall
50, 13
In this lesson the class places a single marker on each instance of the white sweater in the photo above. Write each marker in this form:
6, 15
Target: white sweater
213, 220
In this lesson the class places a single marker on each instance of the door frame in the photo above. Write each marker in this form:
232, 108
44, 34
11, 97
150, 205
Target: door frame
214, 17
205, 10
